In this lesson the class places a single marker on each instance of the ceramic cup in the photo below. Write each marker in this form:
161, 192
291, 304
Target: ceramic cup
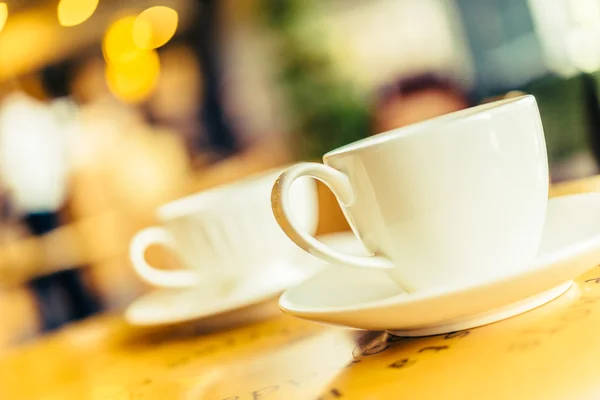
455, 200
224, 234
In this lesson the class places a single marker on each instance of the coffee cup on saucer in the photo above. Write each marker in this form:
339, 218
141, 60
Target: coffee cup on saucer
224, 235
453, 201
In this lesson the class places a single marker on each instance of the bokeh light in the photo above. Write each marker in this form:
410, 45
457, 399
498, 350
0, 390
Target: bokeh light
75, 12
131, 72
3, 15
133, 79
154, 27
117, 44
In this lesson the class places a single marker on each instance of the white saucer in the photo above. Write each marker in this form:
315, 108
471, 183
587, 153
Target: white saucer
363, 299
169, 306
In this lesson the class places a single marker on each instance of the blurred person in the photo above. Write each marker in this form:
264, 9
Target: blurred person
34, 168
33, 154
122, 169
416, 99
403, 102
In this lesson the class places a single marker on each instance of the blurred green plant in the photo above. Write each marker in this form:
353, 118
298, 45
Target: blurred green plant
563, 111
327, 110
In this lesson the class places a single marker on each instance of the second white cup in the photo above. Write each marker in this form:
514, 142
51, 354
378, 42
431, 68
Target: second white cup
224, 234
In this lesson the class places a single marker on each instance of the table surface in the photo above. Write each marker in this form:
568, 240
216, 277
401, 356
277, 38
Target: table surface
551, 352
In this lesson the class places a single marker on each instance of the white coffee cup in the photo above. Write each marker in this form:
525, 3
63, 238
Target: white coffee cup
224, 234
452, 201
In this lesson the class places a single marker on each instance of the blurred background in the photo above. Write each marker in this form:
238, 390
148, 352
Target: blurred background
110, 108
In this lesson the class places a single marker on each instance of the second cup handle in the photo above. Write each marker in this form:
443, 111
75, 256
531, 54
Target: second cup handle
339, 184
158, 277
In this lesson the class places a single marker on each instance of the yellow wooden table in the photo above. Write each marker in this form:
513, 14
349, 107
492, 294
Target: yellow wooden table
552, 352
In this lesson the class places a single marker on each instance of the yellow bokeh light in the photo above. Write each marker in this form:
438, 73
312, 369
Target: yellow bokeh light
75, 12
134, 79
118, 44
132, 71
3, 15
154, 27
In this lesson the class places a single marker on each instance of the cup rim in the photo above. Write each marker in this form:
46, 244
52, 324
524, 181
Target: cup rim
455, 117
203, 199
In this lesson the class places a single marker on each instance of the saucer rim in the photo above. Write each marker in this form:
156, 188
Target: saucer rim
247, 301
538, 265
232, 306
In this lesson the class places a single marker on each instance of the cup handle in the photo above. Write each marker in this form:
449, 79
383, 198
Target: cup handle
340, 185
166, 278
